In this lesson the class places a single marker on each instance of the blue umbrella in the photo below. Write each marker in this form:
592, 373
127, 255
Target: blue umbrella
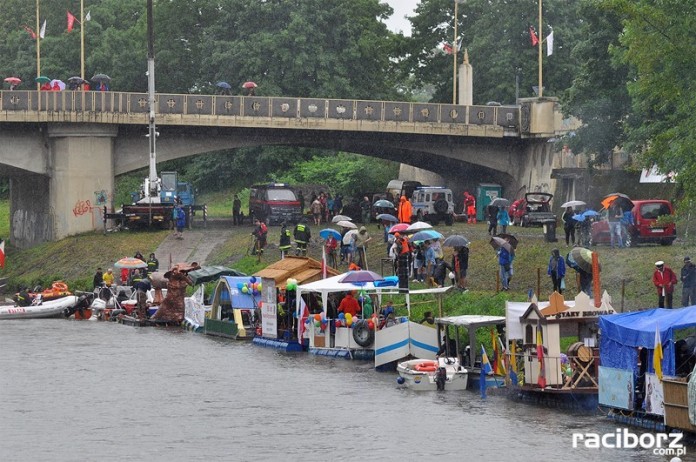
325, 233
590, 213
579, 217
387, 217
426, 235
224, 85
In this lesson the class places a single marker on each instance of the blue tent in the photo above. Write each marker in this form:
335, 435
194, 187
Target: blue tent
622, 334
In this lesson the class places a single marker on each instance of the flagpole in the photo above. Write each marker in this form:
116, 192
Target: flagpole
454, 53
541, 88
82, 40
38, 47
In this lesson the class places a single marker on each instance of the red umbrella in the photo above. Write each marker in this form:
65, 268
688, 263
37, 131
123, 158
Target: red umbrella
13, 80
249, 85
398, 228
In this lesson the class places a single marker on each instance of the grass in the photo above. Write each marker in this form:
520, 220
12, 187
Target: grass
626, 273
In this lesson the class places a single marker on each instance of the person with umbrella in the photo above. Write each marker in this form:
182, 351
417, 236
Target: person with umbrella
580, 259
492, 219
569, 225
460, 265
330, 246
505, 262
614, 217
664, 280
556, 270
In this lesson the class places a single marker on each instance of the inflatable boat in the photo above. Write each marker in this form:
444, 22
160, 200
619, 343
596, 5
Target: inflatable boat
38, 309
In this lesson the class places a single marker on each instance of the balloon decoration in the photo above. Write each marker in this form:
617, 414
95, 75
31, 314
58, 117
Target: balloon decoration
291, 284
253, 287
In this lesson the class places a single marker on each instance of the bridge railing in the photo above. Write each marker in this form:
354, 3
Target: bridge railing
508, 118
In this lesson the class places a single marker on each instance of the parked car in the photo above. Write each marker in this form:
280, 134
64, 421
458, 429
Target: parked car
433, 204
533, 210
645, 227
274, 203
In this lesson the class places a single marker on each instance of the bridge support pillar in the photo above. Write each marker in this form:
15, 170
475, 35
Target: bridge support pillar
70, 199
82, 180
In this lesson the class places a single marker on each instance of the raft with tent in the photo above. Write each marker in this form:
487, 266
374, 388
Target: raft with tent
640, 387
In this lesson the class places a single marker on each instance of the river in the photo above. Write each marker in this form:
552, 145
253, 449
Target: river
92, 391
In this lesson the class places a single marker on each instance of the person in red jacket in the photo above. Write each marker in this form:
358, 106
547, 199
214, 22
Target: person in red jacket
349, 305
664, 280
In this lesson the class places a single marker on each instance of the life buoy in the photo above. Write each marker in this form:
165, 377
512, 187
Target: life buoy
362, 334
428, 366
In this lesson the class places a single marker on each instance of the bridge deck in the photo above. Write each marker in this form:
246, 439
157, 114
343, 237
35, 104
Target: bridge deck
265, 112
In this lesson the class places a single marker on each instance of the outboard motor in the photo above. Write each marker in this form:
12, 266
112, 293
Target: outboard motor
440, 378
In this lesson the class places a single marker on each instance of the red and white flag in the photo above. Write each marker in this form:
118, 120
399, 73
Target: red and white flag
303, 318
71, 21
533, 36
30, 31
447, 48
2, 254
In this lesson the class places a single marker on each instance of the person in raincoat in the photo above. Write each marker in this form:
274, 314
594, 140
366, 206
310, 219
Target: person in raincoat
302, 236
503, 219
556, 270
284, 245
405, 210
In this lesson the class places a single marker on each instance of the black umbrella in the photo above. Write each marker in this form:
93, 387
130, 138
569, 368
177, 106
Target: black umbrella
498, 242
456, 241
510, 238
76, 79
101, 78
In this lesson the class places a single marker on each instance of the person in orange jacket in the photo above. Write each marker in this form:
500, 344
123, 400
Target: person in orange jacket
405, 210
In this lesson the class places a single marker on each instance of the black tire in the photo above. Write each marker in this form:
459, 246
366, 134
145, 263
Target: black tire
666, 241
363, 335
441, 206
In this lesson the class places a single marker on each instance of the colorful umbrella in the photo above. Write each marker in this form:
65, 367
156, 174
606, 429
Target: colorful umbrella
249, 85
325, 233
42, 79
418, 226
582, 258
387, 217
623, 200
130, 263
426, 235
13, 80
361, 276
338, 218
383, 203
347, 224
455, 241
398, 228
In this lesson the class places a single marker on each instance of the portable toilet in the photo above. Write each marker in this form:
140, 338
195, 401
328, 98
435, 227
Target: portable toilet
485, 193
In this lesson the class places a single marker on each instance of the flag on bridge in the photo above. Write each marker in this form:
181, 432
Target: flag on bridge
2, 254
88, 16
549, 44
42, 32
533, 36
71, 21
30, 31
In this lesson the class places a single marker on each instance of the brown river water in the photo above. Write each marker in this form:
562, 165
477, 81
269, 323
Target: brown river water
89, 391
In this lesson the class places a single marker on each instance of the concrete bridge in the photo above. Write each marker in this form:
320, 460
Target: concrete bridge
62, 150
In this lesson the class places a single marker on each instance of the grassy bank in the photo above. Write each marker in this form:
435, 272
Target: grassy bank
75, 259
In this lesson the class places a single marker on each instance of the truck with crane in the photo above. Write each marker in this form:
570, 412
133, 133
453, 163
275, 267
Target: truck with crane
154, 204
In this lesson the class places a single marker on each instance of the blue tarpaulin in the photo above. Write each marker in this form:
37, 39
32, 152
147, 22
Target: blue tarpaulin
238, 298
622, 334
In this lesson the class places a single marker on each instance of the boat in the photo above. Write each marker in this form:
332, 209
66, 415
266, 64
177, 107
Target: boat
232, 312
470, 356
544, 374
430, 375
39, 308
630, 387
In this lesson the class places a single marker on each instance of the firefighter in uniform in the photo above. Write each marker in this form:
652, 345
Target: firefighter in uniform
285, 244
302, 235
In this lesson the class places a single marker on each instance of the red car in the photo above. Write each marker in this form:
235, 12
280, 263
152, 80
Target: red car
645, 228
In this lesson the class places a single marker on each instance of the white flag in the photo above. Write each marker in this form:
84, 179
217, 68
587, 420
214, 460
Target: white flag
549, 44
42, 32
88, 17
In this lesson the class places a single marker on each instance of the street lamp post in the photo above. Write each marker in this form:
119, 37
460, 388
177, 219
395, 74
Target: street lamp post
455, 49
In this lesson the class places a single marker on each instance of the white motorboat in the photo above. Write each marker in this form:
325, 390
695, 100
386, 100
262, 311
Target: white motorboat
40, 309
424, 374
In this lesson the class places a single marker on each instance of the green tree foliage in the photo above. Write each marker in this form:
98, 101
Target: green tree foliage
496, 35
598, 96
346, 174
